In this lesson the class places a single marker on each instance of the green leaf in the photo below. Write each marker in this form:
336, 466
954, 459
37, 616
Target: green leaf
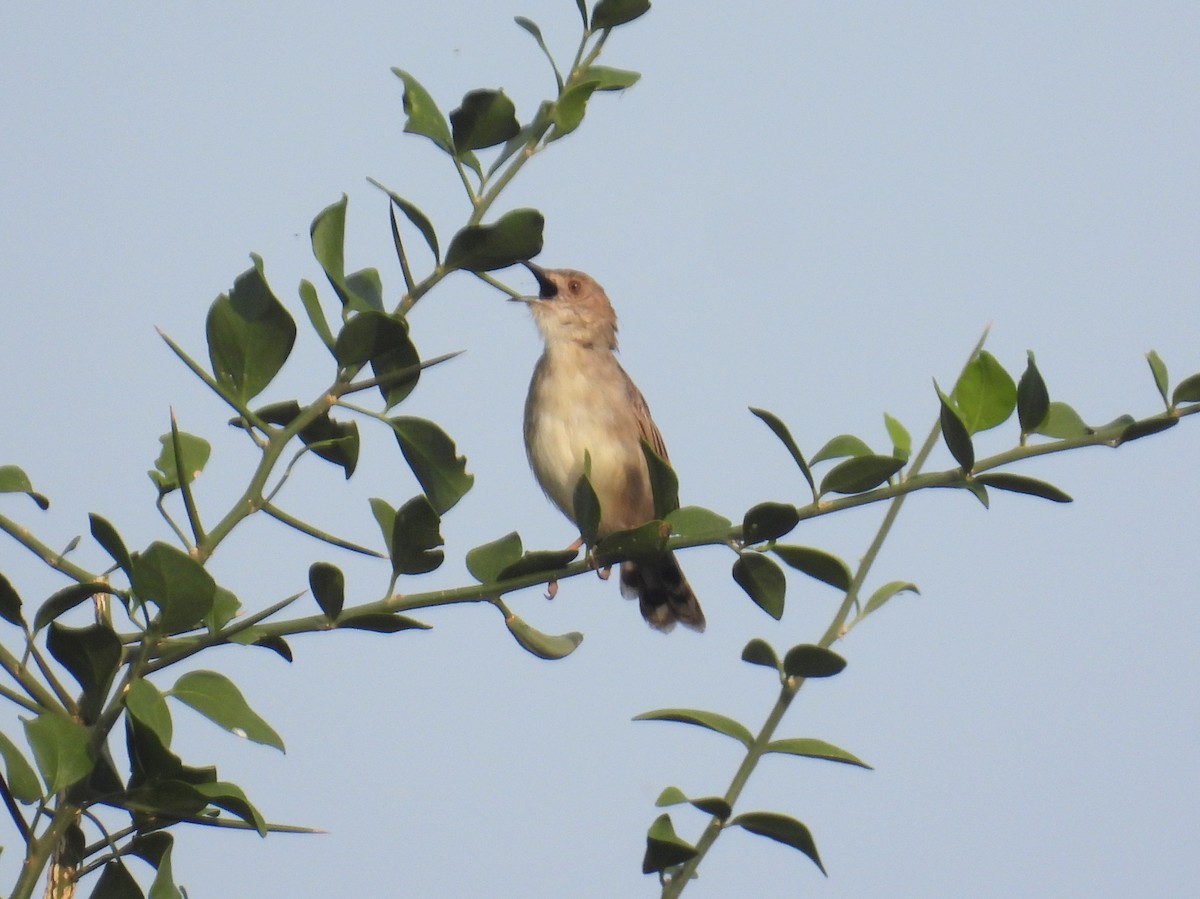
60, 749
886, 592
382, 623
151, 847
166, 470
531, 26
611, 13
514, 237
810, 660
1020, 484
424, 118
231, 798
418, 218
815, 749
163, 886
385, 517
328, 236
816, 563
664, 485
985, 394
1159, 369
225, 606
859, 474
250, 335
670, 796
91, 654
1138, 430
167, 797
664, 849
570, 109
610, 79
901, 441
645, 542
780, 430
382, 340
783, 829
432, 456
841, 446
66, 599
544, 646
328, 586
365, 285
538, 561
485, 118
1187, 391
175, 582
415, 538
582, 12
216, 697
529, 134
316, 315
759, 652
696, 522
768, 521
709, 720
956, 434
334, 441
485, 562
1033, 399
276, 644
108, 538
22, 781
14, 480
763, 581
10, 603
115, 882
145, 703
710, 805
1062, 422
586, 505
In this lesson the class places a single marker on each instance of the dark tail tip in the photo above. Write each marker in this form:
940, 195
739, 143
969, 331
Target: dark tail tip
663, 593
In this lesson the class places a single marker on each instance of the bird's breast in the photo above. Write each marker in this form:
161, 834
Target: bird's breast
578, 406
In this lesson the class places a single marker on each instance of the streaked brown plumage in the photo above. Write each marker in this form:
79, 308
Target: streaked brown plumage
581, 401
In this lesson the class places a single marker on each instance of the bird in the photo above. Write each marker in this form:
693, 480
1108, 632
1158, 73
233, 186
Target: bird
583, 406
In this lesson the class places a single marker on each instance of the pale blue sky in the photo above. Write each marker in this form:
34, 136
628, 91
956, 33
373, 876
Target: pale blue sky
813, 208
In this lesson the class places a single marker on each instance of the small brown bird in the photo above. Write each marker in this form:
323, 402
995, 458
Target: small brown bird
582, 402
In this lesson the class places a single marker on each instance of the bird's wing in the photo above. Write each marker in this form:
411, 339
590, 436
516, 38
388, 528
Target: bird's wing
647, 429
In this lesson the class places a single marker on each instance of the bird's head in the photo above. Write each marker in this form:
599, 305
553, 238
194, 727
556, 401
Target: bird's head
570, 307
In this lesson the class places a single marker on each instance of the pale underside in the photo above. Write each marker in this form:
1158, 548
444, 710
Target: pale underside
574, 419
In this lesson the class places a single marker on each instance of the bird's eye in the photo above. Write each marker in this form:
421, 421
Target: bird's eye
573, 285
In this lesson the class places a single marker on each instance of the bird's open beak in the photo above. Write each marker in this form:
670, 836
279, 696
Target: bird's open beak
547, 289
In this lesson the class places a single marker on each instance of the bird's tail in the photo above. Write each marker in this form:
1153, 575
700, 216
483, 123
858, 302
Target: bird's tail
663, 593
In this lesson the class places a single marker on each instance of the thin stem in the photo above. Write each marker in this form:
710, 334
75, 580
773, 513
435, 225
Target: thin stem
48, 556
496, 283
168, 652
399, 244
185, 485
306, 528
13, 696
60, 691
14, 810
162, 510
462, 174
673, 887
42, 698
40, 850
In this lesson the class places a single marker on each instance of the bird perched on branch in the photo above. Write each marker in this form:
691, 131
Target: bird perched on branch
582, 405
